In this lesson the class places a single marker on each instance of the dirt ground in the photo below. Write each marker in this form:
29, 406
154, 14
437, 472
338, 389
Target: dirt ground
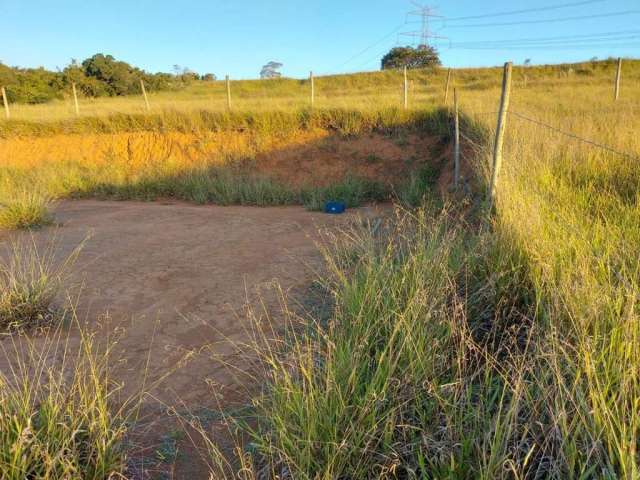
175, 281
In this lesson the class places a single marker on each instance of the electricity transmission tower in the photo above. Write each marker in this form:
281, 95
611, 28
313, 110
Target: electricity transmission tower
426, 13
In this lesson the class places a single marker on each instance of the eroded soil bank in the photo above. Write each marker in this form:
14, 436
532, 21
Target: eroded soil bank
315, 157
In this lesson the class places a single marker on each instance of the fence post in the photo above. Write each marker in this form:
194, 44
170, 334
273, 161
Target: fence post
618, 75
502, 121
5, 100
226, 78
313, 92
446, 88
144, 94
456, 145
75, 97
406, 89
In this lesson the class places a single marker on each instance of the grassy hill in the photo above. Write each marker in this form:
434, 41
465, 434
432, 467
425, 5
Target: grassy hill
370, 91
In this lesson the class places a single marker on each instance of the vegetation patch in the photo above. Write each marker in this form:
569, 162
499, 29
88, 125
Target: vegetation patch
30, 281
59, 421
24, 209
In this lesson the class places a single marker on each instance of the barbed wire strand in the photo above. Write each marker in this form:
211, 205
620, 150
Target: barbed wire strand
573, 135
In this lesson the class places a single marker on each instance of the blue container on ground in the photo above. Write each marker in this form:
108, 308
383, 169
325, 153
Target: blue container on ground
334, 207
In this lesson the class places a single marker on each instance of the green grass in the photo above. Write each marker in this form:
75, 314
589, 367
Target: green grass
23, 209
403, 379
421, 183
60, 415
470, 344
59, 420
352, 191
344, 120
31, 280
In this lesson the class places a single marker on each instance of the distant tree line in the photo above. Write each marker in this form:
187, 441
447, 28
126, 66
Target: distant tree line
98, 76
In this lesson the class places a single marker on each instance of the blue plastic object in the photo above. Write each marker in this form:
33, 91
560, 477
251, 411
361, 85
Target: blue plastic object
334, 207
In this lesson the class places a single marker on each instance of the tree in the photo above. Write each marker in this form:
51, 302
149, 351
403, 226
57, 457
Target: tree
270, 70
423, 56
7, 75
87, 86
30, 85
120, 77
96, 76
209, 77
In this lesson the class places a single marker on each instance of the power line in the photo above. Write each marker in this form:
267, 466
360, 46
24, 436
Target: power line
425, 12
376, 57
378, 42
584, 46
528, 10
619, 41
550, 20
589, 36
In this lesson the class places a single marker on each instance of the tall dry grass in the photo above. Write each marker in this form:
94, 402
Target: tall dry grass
59, 415
571, 208
368, 91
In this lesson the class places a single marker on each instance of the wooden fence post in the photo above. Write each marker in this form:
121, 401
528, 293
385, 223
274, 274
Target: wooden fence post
618, 75
75, 97
144, 94
226, 78
502, 122
313, 92
456, 145
446, 88
406, 89
5, 100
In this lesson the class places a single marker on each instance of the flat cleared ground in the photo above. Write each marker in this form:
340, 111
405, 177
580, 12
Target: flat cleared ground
187, 273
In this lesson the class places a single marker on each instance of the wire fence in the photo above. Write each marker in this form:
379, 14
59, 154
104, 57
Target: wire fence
573, 135
554, 129
495, 148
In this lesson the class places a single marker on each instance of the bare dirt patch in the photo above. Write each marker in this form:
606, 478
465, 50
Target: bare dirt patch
173, 281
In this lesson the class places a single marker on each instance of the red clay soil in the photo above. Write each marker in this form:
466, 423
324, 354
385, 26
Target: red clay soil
329, 158
175, 280
314, 157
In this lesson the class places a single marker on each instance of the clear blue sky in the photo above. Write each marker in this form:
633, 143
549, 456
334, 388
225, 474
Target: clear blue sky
238, 37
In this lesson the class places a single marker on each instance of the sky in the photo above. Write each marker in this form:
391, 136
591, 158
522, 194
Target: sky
328, 36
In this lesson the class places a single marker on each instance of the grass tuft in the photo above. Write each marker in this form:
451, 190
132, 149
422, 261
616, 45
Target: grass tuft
57, 419
24, 209
30, 281
353, 191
